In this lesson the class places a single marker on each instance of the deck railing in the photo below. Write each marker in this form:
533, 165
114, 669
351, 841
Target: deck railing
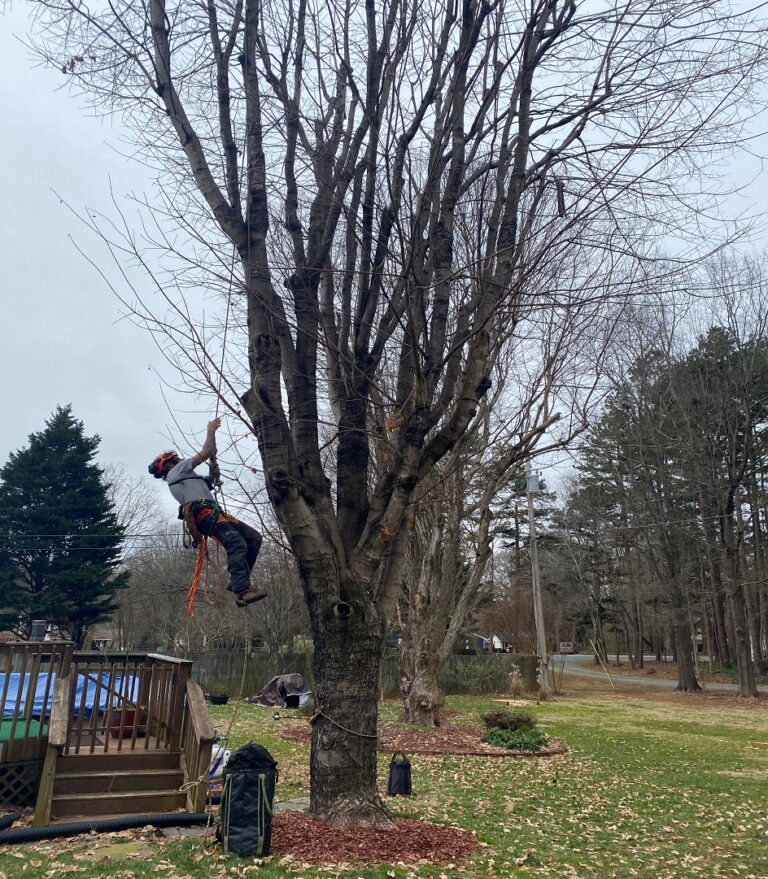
28, 671
126, 702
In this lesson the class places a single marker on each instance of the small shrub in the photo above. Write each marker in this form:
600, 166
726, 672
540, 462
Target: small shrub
517, 740
503, 718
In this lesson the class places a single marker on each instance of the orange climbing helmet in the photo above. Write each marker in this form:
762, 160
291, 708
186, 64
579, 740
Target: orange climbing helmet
163, 463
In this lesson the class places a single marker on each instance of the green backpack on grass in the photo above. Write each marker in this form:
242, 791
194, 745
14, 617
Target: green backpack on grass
245, 826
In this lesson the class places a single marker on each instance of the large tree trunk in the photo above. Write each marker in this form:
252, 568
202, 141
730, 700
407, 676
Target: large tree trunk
682, 643
638, 629
683, 649
420, 690
747, 685
686, 672
737, 603
752, 607
349, 642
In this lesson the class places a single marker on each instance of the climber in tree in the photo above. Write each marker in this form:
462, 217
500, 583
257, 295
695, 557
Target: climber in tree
204, 517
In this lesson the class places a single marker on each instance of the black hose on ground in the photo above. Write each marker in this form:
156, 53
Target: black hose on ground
102, 825
7, 820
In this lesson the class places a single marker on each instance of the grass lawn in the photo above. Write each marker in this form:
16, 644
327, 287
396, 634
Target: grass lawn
655, 786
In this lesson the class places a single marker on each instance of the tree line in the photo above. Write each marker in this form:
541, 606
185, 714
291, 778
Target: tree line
666, 520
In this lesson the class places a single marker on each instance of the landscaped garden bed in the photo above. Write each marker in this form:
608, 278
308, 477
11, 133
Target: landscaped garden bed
452, 738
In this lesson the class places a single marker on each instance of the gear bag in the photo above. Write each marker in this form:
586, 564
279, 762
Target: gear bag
245, 826
399, 779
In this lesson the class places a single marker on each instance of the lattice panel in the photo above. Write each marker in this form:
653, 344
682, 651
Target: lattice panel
19, 783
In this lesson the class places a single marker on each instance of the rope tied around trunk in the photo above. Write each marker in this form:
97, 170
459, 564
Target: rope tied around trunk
353, 732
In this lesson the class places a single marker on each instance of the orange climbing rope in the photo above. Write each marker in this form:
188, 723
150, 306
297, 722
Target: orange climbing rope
202, 555
211, 598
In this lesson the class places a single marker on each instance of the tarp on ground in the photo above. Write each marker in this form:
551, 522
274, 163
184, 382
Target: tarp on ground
85, 693
279, 690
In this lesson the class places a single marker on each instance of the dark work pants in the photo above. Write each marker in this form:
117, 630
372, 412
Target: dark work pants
242, 544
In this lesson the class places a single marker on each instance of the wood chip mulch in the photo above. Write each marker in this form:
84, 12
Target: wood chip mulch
307, 840
463, 740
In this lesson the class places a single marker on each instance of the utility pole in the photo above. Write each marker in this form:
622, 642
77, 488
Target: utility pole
533, 487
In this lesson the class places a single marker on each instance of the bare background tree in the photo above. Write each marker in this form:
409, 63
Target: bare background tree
546, 382
319, 163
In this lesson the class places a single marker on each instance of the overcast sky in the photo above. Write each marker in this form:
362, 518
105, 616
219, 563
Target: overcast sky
64, 337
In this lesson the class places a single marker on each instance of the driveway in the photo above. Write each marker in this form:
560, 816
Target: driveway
582, 665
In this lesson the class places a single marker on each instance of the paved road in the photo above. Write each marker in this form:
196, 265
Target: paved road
581, 665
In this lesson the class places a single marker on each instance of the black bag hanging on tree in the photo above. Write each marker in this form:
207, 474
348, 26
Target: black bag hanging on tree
246, 802
399, 780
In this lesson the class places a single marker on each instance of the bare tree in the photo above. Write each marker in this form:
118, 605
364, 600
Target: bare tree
278, 620
153, 608
135, 504
339, 148
545, 384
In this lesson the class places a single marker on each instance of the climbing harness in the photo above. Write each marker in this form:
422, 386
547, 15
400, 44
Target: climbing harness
194, 512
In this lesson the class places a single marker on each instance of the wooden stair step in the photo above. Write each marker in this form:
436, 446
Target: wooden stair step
133, 761
109, 804
116, 781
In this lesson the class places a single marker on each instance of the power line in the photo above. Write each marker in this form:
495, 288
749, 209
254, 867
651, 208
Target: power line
88, 535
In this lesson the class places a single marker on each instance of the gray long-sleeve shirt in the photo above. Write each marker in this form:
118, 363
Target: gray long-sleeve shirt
186, 485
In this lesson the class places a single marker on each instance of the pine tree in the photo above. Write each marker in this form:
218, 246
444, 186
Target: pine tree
60, 538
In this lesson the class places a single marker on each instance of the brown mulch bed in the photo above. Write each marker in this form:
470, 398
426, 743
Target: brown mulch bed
459, 739
298, 835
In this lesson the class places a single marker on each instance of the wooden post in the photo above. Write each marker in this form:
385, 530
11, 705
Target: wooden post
57, 738
178, 697
199, 742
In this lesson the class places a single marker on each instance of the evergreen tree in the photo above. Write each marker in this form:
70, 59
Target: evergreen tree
59, 535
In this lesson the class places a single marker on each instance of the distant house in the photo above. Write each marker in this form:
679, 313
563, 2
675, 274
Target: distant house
494, 643
101, 637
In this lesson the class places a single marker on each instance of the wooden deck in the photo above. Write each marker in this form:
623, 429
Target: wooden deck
107, 734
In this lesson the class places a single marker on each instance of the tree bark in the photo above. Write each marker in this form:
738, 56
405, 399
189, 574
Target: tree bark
420, 689
736, 599
736, 604
683, 646
348, 641
639, 633
686, 672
